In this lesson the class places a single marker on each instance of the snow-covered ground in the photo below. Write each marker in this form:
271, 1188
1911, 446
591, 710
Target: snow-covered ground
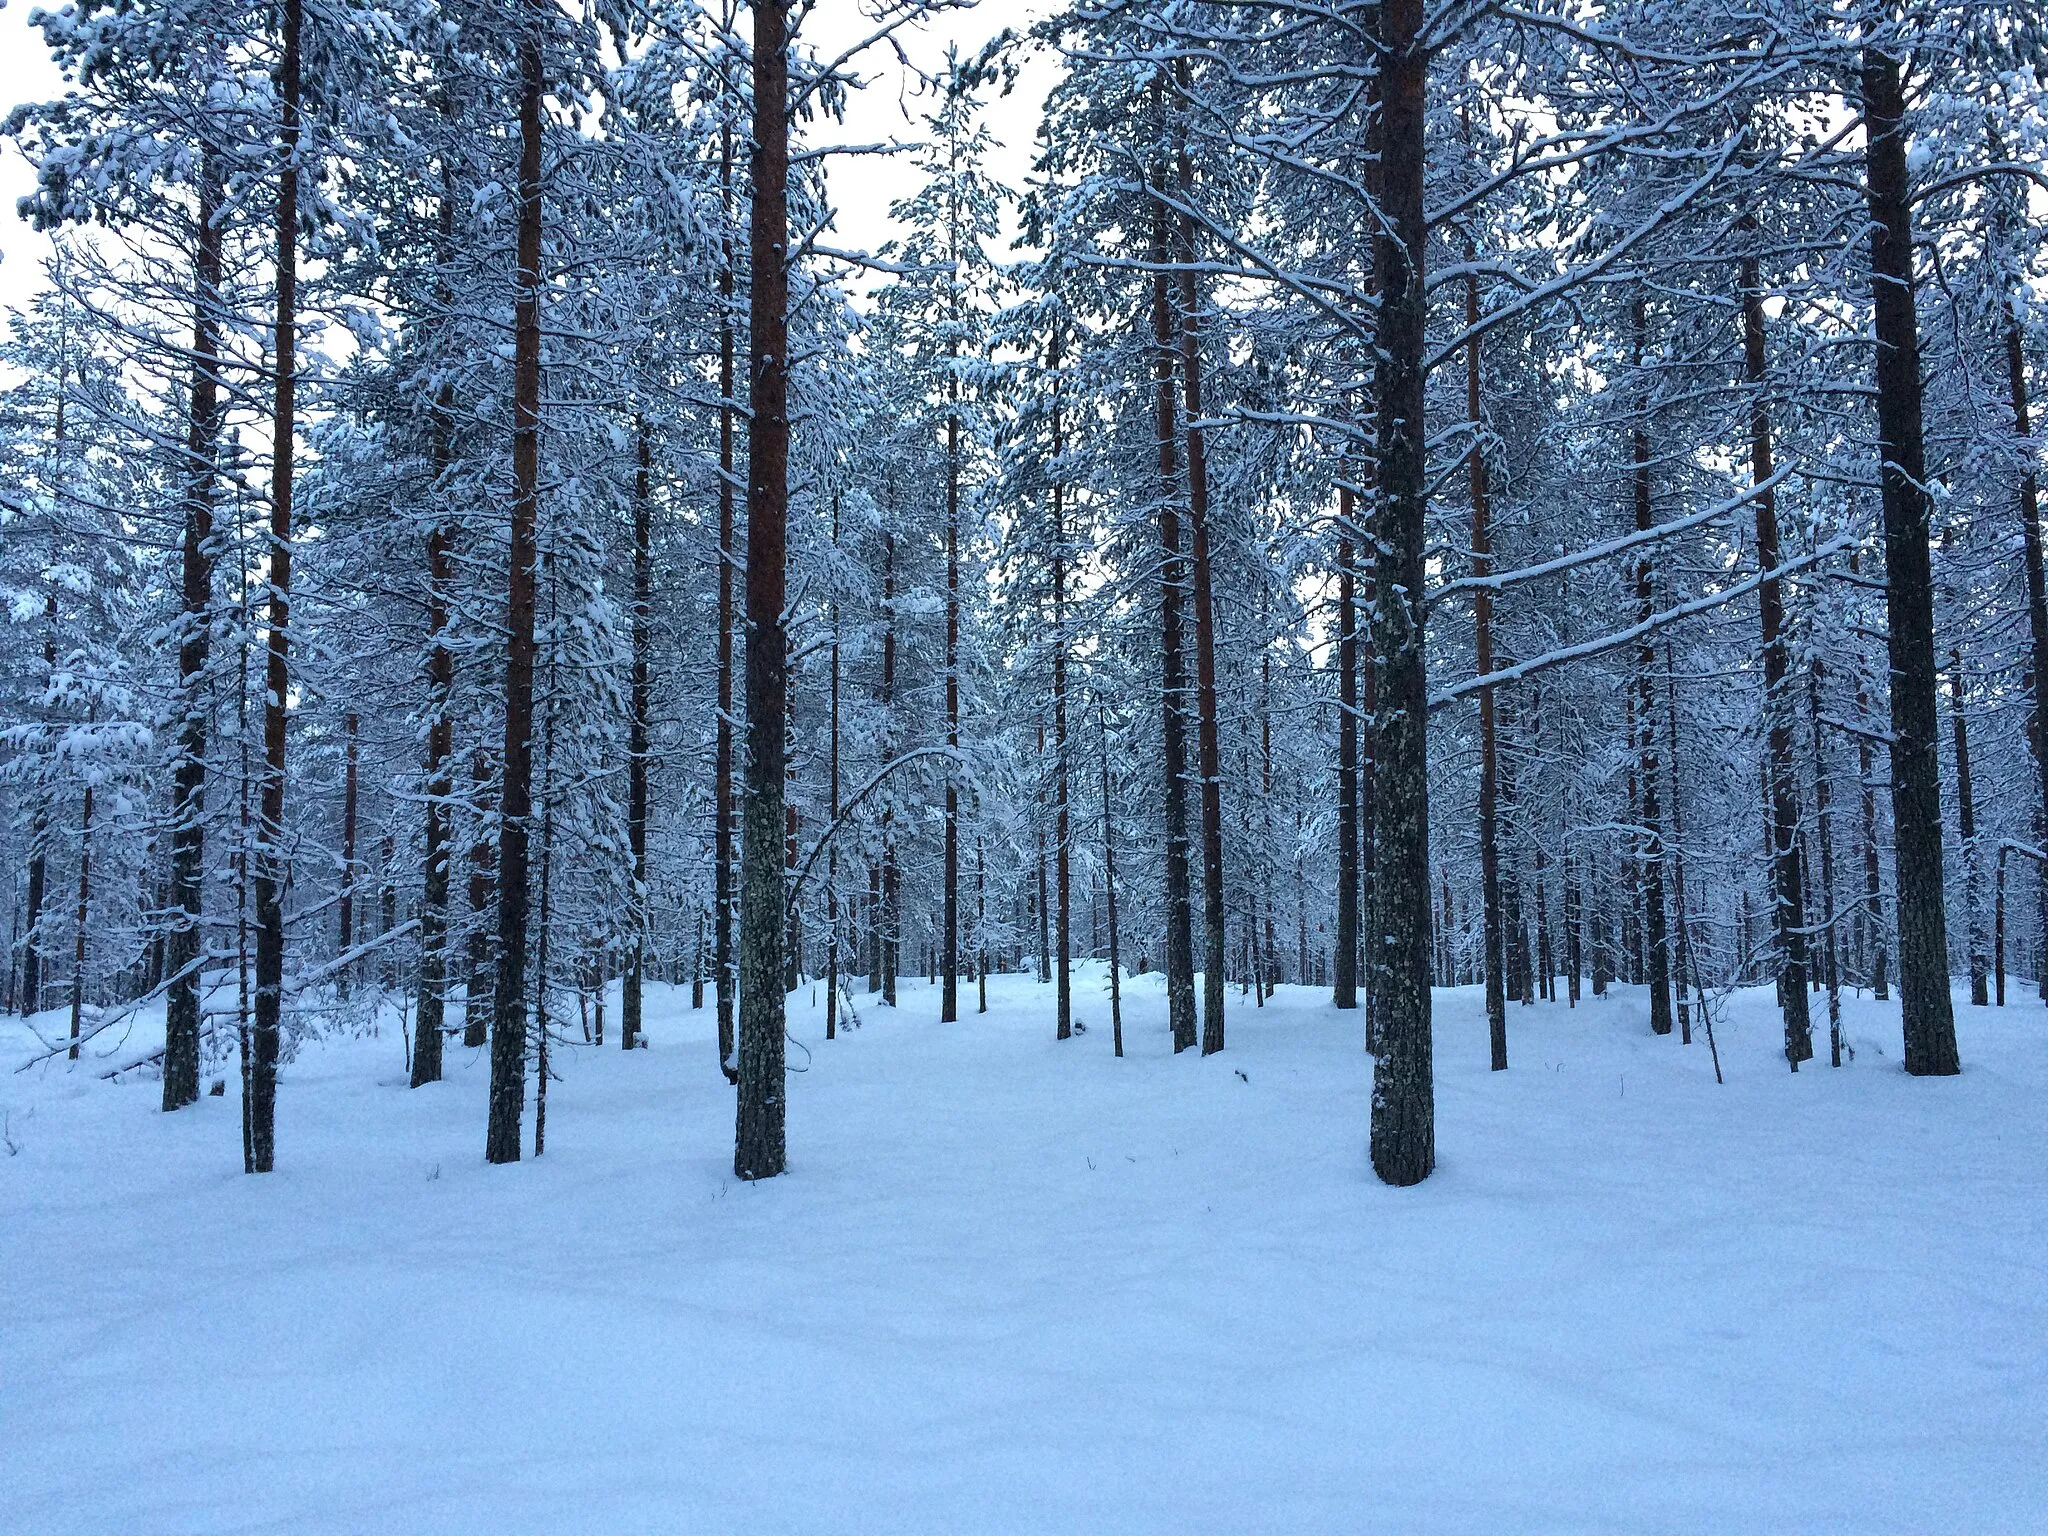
1012, 1284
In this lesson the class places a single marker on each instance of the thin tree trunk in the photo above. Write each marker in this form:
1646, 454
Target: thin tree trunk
1179, 957
724, 898
1873, 872
1344, 975
476, 1009
79, 927
515, 797
1403, 1136
636, 739
428, 1032
1116, 1006
351, 730
980, 926
1208, 731
1043, 905
1680, 912
832, 822
1966, 825
1788, 907
184, 952
1925, 1009
270, 860
758, 1146
1062, 833
892, 887
949, 939
1492, 938
1656, 950
2030, 535
2037, 607
1822, 794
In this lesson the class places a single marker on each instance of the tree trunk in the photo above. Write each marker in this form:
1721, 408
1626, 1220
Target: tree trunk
1926, 1013
758, 1150
431, 1015
1062, 832
832, 821
476, 1009
1788, 906
1116, 1006
1404, 1102
1680, 913
79, 926
892, 885
270, 853
1180, 961
351, 730
1966, 825
636, 739
515, 796
1492, 938
724, 898
1656, 950
949, 938
1208, 732
2037, 607
1344, 977
1822, 794
183, 957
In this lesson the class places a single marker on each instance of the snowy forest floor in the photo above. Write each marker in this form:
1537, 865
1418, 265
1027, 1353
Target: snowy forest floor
1014, 1284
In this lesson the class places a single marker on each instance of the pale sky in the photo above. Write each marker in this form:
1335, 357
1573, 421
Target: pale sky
863, 187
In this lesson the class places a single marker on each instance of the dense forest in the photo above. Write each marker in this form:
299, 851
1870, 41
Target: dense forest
1537, 496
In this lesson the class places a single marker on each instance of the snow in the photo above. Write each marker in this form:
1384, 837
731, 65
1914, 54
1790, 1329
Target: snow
1011, 1284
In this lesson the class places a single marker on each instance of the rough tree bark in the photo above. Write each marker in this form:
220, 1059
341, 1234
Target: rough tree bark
1062, 832
188, 781
636, 737
758, 1150
1180, 959
270, 852
1656, 949
1403, 1139
1788, 905
1208, 732
515, 796
724, 898
1492, 939
2037, 602
1927, 1015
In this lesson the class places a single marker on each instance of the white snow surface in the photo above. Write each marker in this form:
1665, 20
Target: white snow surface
1014, 1284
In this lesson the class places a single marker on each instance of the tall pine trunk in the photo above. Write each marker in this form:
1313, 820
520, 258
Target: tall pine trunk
1403, 1136
183, 953
2037, 606
1344, 971
270, 850
515, 796
724, 898
1966, 826
1656, 950
1927, 1015
949, 938
1492, 938
350, 776
428, 1036
1180, 960
636, 741
758, 1142
1788, 905
1061, 788
1208, 732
